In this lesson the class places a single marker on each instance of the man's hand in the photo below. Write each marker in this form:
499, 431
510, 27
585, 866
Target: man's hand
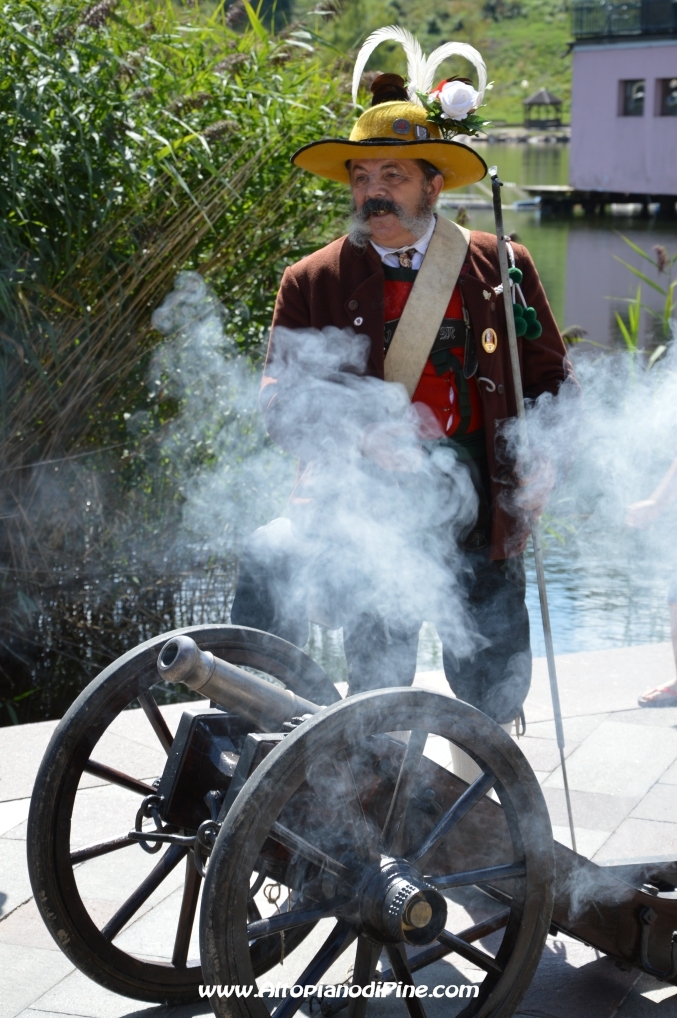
392, 447
642, 514
535, 488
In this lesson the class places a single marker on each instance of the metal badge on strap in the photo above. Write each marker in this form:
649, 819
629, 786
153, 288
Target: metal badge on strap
426, 306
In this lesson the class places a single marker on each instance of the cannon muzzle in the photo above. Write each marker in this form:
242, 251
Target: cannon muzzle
266, 705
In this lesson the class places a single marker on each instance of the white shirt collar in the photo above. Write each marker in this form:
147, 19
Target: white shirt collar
389, 254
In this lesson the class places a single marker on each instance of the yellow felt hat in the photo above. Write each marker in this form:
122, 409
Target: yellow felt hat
396, 130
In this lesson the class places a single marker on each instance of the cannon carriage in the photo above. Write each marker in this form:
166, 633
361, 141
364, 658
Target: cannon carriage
304, 834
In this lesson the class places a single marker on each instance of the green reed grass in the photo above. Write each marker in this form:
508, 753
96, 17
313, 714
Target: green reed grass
136, 139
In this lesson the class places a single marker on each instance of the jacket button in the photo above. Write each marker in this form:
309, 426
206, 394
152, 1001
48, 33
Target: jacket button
358, 320
500, 390
353, 305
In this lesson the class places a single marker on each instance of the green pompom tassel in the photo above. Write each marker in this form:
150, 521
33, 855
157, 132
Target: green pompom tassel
518, 311
533, 330
516, 275
521, 326
530, 314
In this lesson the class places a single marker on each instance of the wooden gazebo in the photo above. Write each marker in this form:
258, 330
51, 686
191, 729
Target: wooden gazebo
542, 109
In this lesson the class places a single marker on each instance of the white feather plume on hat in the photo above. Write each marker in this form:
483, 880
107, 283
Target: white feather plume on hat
420, 71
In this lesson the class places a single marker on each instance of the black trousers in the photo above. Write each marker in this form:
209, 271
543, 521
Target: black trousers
381, 652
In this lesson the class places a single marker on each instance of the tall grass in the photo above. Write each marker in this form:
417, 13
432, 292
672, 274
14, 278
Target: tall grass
135, 141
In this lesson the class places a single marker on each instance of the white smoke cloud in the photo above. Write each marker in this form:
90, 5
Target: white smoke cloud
609, 450
370, 539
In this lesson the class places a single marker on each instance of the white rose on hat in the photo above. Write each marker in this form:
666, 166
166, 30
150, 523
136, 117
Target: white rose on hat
457, 99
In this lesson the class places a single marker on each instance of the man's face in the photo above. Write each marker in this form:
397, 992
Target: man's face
389, 183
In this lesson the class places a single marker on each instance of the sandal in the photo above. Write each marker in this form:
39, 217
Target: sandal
661, 696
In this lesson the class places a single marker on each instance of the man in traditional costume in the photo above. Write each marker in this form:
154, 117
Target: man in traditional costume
428, 294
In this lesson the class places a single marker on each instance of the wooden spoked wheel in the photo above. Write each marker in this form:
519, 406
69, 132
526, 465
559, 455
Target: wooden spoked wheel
122, 915
377, 838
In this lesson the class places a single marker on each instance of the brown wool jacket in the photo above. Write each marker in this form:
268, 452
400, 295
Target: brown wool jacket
339, 284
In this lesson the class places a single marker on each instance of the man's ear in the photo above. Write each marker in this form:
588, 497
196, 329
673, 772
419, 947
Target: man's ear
436, 185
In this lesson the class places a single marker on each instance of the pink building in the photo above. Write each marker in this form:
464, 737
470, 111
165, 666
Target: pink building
624, 98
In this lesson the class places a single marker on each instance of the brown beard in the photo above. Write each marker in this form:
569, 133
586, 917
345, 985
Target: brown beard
417, 223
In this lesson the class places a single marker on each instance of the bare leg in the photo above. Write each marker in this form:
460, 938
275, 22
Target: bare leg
464, 767
665, 696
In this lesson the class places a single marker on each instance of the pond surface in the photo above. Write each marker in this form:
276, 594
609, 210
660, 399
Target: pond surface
607, 583
576, 255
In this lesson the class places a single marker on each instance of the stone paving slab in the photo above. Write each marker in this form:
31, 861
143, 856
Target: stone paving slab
23, 747
592, 810
599, 681
659, 803
24, 927
640, 839
618, 759
13, 814
15, 886
27, 974
574, 981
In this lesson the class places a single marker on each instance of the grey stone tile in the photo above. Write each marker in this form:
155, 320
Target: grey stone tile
640, 839
136, 1010
78, 995
587, 842
23, 747
12, 814
572, 981
602, 680
31, 1012
130, 757
134, 725
592, 810
25, 928
576, 729
649, 998
17, 833
543, 754
104, 812
153, 934
113, 877
25, 974
15, 886
619, 759
663, 717
669, 777
660, 803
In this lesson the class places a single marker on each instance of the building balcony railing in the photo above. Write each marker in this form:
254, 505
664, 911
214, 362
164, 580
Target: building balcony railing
599, 19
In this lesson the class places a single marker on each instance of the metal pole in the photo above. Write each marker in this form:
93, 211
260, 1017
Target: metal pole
535, 523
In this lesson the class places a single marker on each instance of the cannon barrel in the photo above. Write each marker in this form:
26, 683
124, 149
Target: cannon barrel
266, 705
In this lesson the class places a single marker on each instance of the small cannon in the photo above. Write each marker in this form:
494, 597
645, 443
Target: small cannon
339, 819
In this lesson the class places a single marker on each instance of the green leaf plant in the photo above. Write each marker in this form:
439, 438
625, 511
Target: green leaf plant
138, 138
664, 264
630, 330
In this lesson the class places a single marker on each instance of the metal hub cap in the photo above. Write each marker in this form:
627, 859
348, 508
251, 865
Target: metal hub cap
396, 905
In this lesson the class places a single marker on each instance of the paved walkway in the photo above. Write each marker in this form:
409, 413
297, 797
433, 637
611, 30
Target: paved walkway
622, 765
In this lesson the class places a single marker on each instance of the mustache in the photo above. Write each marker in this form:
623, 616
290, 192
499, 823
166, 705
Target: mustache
377, 206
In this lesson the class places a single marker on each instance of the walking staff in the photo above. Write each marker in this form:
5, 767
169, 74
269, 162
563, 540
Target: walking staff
535, 522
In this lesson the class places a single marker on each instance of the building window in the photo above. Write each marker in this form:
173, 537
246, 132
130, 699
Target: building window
668, 97
632, 99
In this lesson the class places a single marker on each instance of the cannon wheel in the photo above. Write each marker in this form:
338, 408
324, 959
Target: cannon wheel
291, 786
52, 860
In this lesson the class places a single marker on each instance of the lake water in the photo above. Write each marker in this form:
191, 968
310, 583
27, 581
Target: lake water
607, 584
